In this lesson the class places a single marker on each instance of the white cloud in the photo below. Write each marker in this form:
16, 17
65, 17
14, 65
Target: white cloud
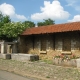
74, 3
8, 9
21, 17
52, 10
75, 18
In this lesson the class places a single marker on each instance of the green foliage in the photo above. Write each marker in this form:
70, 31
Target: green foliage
4, 19
46, 22
47, 77
47, 61
29, 24
11, 30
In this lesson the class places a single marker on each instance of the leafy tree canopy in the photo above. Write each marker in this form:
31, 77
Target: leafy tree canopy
29, 24
4, 19
11, 30
46, 22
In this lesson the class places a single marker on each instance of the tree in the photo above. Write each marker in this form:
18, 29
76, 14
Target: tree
6, 19
11, 31
29, 24
3, 20
46, 22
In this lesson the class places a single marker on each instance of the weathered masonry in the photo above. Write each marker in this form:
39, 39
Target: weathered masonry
46, 41
7, 48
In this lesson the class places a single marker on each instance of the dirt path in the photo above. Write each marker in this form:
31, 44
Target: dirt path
40, 70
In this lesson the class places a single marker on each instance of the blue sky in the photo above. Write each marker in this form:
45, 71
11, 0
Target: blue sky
62, 11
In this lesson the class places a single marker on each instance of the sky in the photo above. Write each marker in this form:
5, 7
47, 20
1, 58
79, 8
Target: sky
61, 11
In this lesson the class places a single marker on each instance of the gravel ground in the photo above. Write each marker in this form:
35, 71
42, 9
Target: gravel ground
40, 70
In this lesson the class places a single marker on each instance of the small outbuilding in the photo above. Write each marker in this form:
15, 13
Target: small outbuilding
47, 41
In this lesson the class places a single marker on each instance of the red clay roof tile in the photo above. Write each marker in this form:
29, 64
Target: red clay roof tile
74, 26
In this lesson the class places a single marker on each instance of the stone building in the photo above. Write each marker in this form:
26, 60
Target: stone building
47, 41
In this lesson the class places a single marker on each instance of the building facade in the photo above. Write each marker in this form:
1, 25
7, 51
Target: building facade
48, 41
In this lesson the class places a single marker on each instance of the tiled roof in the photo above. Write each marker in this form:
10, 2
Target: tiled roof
74, 26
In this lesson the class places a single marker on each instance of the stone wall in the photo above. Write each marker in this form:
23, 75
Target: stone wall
54, 44
22, 45
50, 46
75, 42
58, 42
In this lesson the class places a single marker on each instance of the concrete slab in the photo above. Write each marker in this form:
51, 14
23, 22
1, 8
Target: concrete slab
5, 56
24, 57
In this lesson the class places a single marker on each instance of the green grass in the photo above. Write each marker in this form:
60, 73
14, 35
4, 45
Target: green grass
48, 61
47, 77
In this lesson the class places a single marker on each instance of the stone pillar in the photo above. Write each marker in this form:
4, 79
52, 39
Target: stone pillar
14, 48
9, 49
2, 48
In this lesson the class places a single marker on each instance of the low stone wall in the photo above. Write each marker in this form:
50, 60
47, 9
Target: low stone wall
5, 56
72, 62
24, 57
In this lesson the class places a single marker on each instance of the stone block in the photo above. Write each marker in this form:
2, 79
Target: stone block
72, 62
5, 56
78, 63
24, 57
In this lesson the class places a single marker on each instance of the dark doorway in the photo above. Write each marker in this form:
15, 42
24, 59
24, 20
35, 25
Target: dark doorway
66, 44
43, 45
